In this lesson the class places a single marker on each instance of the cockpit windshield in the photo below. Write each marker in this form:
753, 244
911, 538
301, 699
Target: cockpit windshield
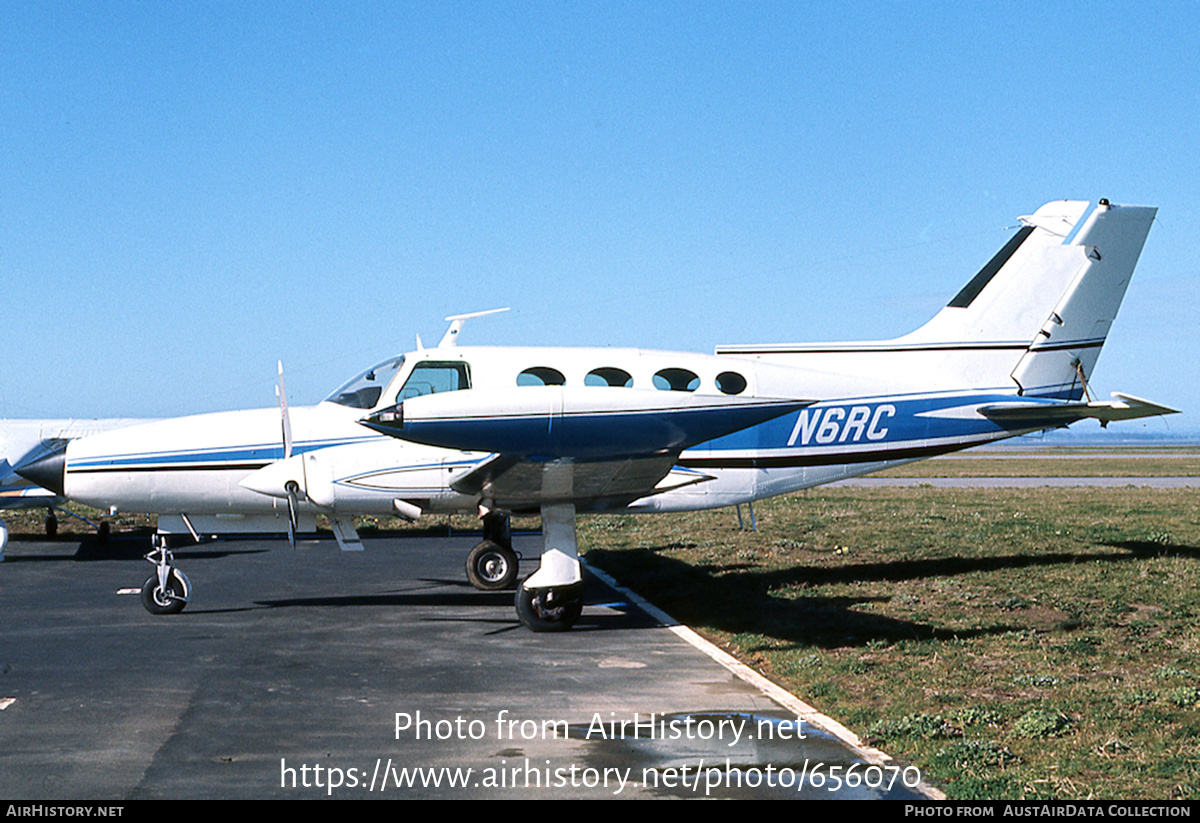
363, 391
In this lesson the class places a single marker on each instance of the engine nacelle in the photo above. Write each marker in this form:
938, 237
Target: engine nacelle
384, 477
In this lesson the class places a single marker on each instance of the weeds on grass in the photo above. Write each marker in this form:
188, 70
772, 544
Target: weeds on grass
1041, 723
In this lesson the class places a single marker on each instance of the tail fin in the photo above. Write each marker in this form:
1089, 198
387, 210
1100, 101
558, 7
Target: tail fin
1035, 316
1051, 298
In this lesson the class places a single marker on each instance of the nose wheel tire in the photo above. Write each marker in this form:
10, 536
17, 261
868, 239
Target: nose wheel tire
550, 610
492, 567
170, 600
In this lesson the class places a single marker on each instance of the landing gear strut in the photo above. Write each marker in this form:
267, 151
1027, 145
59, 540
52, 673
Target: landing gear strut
492, 565
167, 590
551, 599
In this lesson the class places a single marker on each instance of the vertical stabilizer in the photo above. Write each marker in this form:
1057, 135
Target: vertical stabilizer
1049, 301
1007, 301
1034, 318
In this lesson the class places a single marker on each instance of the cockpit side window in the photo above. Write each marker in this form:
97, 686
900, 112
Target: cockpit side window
435, 378
363, 391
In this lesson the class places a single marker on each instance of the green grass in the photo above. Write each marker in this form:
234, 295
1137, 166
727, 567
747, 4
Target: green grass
1036, 643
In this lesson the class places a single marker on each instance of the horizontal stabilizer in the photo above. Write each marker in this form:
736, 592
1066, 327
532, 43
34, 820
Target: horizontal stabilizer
1036, 414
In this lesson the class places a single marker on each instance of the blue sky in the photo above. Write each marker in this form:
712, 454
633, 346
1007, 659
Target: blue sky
191, 191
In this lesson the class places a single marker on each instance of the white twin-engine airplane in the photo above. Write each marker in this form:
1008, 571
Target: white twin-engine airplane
26, 441
498, 431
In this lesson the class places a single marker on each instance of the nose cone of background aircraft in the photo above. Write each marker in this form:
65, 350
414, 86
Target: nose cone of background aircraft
48, 471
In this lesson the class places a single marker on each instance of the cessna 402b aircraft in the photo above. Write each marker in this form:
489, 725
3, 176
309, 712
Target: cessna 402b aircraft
497, 431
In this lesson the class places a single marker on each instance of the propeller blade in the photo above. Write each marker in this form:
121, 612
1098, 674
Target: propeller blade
293, 493
293, 490
281, 392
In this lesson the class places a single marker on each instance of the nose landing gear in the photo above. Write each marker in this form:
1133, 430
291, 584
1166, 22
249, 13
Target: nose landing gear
167, 590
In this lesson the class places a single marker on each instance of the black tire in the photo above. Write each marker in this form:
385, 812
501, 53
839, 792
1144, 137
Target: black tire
51, 526
103, 532
550, 610
156, 601
492, 567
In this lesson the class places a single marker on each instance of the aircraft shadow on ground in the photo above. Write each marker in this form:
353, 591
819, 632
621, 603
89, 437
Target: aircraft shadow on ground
1150, 548
90, 549
620, 615
737, 598
133, 548
395, 599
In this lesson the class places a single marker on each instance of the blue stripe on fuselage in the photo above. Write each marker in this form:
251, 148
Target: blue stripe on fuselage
236, 456
882, 422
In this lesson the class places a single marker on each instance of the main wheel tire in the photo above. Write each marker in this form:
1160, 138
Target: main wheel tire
491, 567
51, 526
550, 610
157, 601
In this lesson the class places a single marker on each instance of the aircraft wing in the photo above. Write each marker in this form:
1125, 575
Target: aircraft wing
1037, 414
521, 484
594, 447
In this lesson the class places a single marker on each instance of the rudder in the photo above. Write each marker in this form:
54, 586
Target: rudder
1063, 353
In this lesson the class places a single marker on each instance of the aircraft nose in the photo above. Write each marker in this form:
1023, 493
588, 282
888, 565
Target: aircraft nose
48, 471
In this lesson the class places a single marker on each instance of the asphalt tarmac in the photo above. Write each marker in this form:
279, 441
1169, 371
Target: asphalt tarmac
313, 673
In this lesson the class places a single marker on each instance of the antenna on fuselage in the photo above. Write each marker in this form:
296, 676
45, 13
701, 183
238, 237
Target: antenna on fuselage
450, 338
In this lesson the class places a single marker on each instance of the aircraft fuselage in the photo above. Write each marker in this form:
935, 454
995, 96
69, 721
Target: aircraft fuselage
196, 465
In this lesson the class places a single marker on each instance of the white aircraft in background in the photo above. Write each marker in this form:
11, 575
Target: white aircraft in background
497, 431
26, 441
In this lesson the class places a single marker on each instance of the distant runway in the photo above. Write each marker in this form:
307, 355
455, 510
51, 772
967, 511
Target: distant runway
1069, 454
1023, 482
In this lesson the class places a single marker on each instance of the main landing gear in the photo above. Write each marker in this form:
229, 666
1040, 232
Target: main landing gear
492, 565
551, 599
167, 590
550, 609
